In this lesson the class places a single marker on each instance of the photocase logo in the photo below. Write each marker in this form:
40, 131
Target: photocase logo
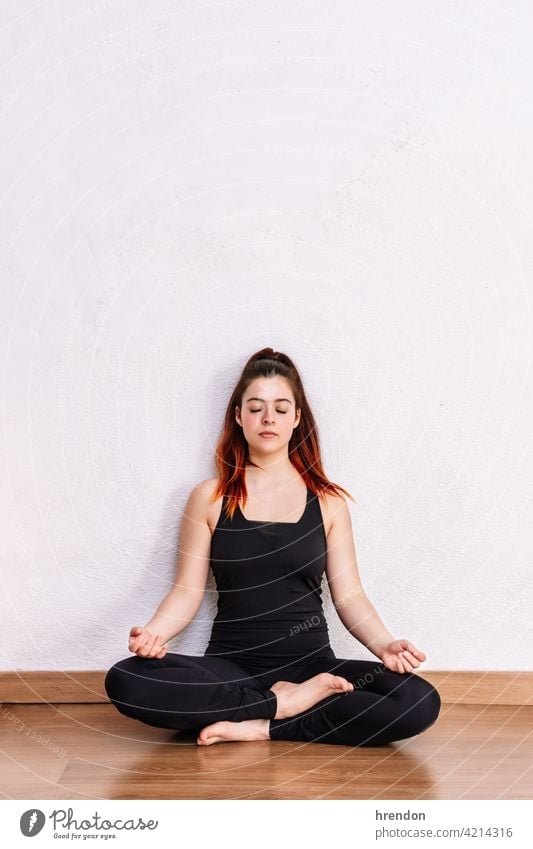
31, 822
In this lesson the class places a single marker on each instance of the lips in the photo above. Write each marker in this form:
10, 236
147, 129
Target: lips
267, 433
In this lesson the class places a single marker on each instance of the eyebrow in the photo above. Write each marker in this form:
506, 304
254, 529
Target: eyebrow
275, 400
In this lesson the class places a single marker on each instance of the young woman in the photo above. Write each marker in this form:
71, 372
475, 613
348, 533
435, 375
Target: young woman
270, 525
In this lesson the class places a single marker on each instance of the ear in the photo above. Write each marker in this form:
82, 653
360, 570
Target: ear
238, 416
297, 422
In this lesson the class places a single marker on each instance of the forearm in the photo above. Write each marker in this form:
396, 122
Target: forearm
175, 612
361, 619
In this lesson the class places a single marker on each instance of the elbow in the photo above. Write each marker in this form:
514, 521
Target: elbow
354, 596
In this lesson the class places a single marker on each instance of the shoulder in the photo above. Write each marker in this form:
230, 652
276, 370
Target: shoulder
200, 502
205, 489
334, 510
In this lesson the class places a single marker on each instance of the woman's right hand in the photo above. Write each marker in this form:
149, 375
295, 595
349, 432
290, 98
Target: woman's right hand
145, 643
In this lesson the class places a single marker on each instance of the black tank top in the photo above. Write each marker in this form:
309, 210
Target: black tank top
268, 576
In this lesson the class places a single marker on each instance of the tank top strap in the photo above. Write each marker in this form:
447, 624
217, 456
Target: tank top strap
313, 512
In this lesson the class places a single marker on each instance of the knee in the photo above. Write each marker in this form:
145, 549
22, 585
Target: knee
119, 682
426, 703
434, 704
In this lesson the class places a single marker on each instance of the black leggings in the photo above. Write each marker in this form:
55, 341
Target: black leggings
188, 692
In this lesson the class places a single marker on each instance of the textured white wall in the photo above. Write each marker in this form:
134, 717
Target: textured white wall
183, 183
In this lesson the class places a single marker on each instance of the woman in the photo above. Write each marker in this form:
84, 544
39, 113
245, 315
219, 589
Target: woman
269, 672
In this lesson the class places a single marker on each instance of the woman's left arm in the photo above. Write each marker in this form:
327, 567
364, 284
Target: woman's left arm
356, 611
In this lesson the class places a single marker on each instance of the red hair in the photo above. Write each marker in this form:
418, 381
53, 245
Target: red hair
304, 448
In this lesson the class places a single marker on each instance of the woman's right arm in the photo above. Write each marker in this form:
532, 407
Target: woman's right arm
181, 604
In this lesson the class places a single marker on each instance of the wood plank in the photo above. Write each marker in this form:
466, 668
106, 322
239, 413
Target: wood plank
471, 752
87, 687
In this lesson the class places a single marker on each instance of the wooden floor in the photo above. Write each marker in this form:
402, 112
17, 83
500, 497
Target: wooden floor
90, 751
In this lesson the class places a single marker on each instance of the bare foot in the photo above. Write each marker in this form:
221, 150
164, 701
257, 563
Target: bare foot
224, 732
291, 699
294, 698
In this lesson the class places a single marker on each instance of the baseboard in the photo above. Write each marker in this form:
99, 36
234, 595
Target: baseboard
87, 686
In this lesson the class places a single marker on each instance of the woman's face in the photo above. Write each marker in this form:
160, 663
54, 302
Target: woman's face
268, 405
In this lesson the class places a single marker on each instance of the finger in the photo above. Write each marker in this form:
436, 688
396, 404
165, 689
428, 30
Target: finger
416, 652
405, 662
143, 643
146, 648
138, 642
409, 657
163, 651
394, 663
156, 646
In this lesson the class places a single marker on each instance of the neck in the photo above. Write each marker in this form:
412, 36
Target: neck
274, 468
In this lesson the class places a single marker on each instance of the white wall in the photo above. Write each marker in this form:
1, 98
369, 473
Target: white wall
183, 183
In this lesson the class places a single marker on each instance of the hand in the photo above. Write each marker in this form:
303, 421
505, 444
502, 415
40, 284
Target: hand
145, 643
401, 656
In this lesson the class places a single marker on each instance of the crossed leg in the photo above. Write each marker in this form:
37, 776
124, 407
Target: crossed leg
383, 706
188, 692
292, 699
185, 692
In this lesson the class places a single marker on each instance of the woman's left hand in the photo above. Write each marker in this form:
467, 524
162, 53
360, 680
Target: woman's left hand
401, 656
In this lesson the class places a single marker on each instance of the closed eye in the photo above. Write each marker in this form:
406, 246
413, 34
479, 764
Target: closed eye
283, 412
